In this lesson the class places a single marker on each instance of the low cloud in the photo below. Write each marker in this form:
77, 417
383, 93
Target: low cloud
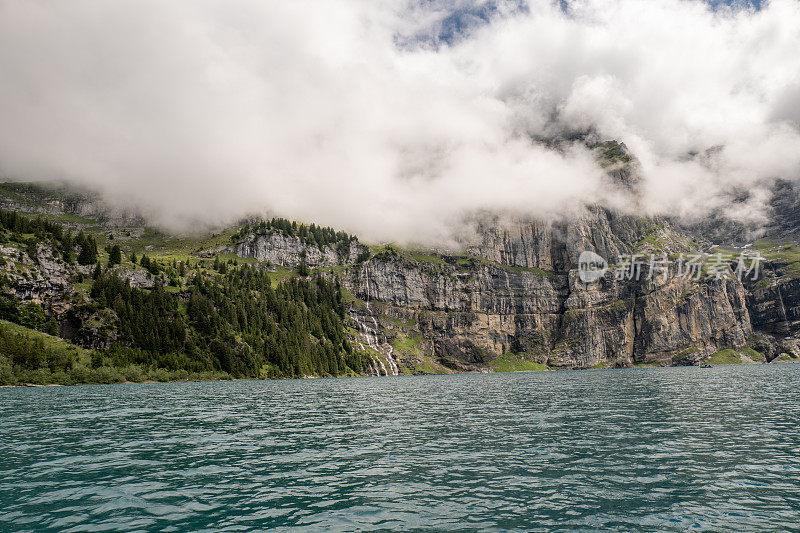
395, 119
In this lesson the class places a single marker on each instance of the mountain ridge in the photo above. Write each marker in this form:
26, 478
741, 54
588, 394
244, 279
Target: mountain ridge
512, 300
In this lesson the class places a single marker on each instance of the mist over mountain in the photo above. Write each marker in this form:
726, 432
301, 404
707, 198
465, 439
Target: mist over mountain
395, 120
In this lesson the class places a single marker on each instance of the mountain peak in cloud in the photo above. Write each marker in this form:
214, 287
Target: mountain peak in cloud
319, 111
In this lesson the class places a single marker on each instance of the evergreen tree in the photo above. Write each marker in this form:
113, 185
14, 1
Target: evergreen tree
32, 248
115, 256
88, 254
302, 268
233, 319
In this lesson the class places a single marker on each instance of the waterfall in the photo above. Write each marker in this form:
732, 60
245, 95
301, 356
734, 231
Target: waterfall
375, 361
371, 335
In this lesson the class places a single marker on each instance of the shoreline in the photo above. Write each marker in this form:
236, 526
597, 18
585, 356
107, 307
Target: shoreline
38, 385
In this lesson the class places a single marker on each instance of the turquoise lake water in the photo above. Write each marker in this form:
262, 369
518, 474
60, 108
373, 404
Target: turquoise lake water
638, 449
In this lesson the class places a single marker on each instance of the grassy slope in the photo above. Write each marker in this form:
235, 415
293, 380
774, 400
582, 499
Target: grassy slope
81, 370
786, 256
154, 243
50, 342
734, 357
515, 363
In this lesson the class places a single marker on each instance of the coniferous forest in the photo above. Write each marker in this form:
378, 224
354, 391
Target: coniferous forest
198, 320
236, 323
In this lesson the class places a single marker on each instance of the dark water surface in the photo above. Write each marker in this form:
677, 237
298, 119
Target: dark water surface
638, 449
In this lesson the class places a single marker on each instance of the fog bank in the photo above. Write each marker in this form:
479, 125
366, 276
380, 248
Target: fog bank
394, 119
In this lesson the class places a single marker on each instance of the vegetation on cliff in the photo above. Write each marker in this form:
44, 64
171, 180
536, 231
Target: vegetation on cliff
309, 234
224, 319
133, 303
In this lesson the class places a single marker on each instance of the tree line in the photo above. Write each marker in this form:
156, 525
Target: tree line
229, 320
309, 234
236, 323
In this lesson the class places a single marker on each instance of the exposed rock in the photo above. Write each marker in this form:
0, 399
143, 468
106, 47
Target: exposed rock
473, 311
139, 278
43, 279
60, 199
522, 295
514, 290
90, 328
288, 251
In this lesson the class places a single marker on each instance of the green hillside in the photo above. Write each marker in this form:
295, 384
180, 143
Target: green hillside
201, 317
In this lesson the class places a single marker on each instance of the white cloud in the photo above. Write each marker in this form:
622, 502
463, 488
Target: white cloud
326, 111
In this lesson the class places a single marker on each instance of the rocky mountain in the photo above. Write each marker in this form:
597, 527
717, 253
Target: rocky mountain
516, 296
59, 199
511, 298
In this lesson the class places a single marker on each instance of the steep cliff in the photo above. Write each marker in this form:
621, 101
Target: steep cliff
510, 297
515, 294
522, 296
289, 251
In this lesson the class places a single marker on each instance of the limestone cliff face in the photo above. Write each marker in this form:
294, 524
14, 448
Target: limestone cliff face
289, 251
42, 279
472, 312
652, 320
556, 245
515, 290
774, 305
520, 294
468, 309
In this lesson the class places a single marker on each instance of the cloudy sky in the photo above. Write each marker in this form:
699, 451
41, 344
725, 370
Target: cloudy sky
392, 119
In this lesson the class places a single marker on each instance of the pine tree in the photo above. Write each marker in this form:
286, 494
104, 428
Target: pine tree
115, 256
302, 268
88, 255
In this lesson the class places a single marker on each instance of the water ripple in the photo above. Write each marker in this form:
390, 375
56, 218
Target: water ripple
640, 449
